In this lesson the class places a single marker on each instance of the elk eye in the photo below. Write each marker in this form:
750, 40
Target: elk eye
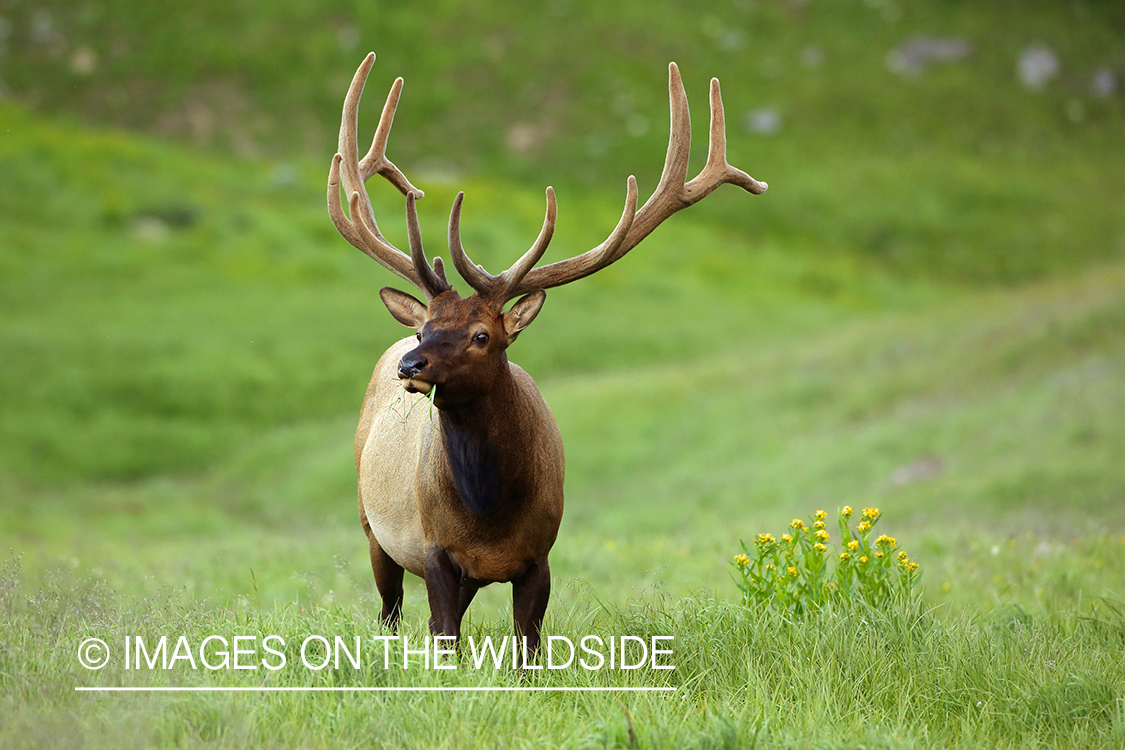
418, 335
481, 338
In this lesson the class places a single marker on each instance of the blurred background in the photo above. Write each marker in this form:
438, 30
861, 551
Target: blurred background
925, 312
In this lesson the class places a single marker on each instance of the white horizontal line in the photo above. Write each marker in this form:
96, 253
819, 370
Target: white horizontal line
367, 689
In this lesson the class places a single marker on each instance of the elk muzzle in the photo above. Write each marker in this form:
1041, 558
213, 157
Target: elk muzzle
413, 364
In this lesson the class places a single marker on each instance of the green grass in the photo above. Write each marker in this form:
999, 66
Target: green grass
925, 313
895, 677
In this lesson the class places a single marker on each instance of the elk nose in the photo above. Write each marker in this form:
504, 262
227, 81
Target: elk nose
411, 364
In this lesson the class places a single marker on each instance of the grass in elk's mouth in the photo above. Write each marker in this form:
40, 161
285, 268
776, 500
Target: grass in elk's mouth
429, 395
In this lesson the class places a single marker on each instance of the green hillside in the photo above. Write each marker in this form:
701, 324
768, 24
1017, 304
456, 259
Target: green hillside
910, 165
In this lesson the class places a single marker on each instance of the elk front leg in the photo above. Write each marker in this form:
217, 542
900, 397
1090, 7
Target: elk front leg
530, 593
388, 577
443, 588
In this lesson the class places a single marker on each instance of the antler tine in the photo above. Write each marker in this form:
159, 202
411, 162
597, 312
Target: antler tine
717, 170
510, 279
476, 277
565, 271
439, 271
376, 161
432, 284
674, 174
352, 177
361, 230
335, 211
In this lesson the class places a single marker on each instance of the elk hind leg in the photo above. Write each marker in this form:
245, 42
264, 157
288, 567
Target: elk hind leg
388, 577
468, 591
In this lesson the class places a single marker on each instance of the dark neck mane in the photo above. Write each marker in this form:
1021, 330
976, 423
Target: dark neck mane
475, 465
479, 439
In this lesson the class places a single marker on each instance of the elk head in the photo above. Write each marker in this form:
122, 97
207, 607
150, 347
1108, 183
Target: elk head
462, 340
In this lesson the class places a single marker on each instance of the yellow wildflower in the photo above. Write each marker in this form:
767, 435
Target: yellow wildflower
863, 527
886, 541
871, 513
912, 567
844, 557
902, 554
798, 524
742, 560
879, 554
819, 524
863, 559
820, 547
764, 539
786, 538
846, 512
823, 535
792, 571
821, 515
853, 545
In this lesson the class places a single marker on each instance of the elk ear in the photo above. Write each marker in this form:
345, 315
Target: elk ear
405, 309
522, 313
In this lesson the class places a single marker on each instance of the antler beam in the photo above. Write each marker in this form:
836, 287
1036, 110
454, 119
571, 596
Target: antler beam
672, 194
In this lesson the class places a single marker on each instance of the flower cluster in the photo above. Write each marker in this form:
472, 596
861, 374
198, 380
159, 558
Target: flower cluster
799, 573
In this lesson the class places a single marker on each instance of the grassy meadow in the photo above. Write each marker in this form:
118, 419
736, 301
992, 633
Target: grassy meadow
925, 313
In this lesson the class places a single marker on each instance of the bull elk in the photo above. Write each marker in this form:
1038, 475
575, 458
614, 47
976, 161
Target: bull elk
473, 494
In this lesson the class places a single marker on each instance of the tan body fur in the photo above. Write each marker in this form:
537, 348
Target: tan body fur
405, 479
